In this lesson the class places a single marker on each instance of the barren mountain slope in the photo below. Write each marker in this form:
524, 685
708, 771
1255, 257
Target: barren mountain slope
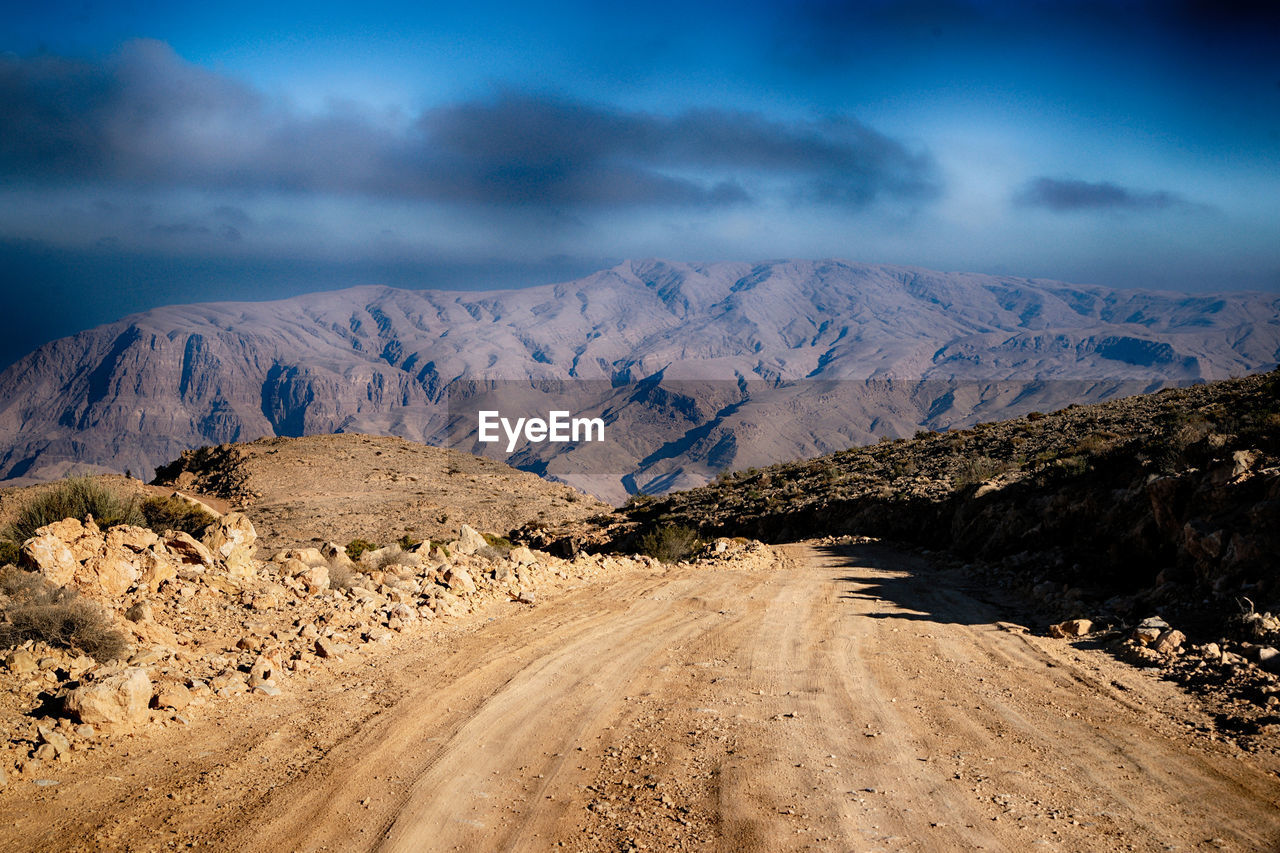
837, 353
342, 487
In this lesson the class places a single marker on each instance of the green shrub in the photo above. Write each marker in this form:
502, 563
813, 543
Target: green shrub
171, 513
356, 547
77, 497
498, 543
670, 543
40, 611
406, 542
9, 552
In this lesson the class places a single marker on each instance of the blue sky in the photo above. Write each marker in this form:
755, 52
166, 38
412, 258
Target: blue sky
156, 152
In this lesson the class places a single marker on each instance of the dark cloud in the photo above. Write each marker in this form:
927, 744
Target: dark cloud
522, 148
146, 118
1066, 195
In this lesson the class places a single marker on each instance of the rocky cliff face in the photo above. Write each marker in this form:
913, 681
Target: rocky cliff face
778, 361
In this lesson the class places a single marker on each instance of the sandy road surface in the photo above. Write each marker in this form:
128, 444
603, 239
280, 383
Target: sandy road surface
847, 700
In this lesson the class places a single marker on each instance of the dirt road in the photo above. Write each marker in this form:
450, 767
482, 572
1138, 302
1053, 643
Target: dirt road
848, 699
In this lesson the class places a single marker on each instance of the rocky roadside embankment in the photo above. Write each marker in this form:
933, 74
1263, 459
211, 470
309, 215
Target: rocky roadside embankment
205, 620
1150, 524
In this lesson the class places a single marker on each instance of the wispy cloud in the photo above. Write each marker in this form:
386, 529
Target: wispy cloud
1065, 195
146, 118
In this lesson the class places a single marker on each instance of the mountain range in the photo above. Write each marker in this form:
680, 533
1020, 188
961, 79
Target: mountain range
695, 368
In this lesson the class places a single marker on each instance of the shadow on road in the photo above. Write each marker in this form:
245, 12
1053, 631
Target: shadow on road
916, 589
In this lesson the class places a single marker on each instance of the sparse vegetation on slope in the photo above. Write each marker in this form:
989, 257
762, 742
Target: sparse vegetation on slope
79, 498
36, 610
1182, 485
669, 543
173, 513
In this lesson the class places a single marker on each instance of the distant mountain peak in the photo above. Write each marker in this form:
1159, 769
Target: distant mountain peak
135, 393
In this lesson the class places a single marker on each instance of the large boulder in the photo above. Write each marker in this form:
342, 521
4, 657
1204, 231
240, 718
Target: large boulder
231, 539
470, 540
83, 538
50, 556
189, 549
459, 579
316, 578
133, 538
109, 573
522, 556
115, 700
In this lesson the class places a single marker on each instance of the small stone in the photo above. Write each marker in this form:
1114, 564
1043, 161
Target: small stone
1071, 628
55, 739
140, 612
21, 662
172, 695
327, 648
459, 579
1146, 636
1169, 642
263, 671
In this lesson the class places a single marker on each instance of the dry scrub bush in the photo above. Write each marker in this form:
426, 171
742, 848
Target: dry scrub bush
38, 610
78, 497
669, 544
163, 514
340, 575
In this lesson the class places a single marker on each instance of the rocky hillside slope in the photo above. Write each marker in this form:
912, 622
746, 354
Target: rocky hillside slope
1173, 497
103, 631
787, 360
301, 491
